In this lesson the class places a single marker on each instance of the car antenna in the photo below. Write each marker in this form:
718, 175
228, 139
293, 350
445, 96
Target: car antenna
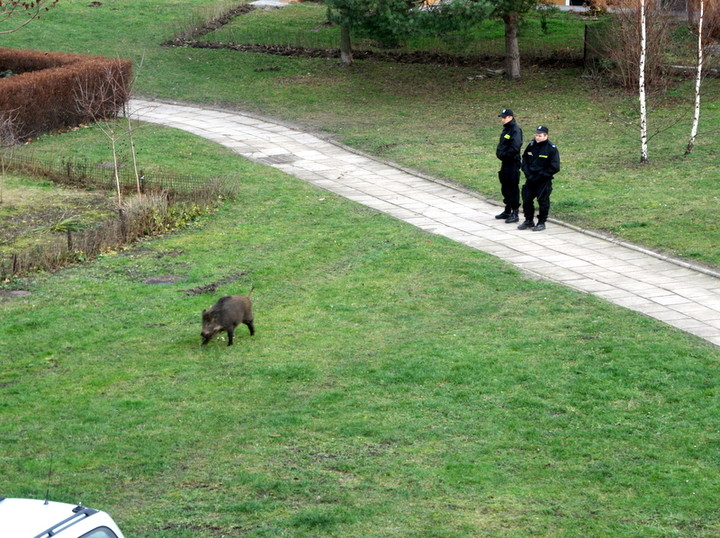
50, 470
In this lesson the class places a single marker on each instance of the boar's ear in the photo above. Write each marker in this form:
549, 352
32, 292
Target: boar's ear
204, 312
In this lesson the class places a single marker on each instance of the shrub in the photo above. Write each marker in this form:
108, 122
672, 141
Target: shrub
615, 45
43, 95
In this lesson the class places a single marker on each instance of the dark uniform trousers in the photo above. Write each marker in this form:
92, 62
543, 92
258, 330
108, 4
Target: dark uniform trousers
540, 189
509, 175
540, 162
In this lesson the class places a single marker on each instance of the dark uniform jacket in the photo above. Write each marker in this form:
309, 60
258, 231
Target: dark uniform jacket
540, 161
510, 145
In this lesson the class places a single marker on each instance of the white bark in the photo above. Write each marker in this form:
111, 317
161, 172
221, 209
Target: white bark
644, 158
131, 130
698, 82
133, 152
116, 166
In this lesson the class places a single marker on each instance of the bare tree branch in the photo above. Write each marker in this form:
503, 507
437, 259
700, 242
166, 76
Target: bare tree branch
101, 97
12, 9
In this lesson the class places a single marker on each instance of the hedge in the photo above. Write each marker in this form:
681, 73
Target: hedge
48, 91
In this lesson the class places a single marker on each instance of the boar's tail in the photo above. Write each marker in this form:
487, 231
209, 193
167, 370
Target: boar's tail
252, 287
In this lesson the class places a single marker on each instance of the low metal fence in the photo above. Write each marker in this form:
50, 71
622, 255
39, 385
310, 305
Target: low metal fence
79, 172
112, 232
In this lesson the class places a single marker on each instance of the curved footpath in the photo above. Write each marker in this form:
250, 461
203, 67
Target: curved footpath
676, 292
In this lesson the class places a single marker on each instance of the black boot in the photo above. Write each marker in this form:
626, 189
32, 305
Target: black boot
540, 226
528, 224
513, 217
505, 214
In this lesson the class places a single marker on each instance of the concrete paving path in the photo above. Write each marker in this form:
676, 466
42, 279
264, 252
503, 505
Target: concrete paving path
678, 293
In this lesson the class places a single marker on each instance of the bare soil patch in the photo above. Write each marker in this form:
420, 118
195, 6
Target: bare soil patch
413, 57
213, 286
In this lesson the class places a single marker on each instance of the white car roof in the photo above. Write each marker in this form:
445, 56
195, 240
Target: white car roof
30, 518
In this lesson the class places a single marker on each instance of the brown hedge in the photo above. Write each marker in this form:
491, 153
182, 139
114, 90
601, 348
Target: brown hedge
50, 91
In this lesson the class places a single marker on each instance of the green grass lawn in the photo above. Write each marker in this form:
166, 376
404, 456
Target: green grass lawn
399, 384
441, 120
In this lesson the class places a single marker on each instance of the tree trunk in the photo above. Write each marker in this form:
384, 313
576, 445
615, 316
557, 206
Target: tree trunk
133, 152
698, 82
644, 157
345, 45
512, 48
116, 168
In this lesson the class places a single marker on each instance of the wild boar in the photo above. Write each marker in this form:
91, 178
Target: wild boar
229, 312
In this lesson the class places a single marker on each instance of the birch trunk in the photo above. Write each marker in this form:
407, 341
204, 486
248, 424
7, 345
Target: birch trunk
116, 168
644, 158
698, 82
133, 152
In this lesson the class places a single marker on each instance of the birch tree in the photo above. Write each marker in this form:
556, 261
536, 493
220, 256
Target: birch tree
698, 81
644, 157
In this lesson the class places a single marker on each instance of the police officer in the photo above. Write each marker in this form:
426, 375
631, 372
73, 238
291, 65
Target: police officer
508, 151
540, 162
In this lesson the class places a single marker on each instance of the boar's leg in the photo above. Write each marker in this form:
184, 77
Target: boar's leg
231, 332
250, 326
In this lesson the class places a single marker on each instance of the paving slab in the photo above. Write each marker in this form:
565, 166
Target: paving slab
674, 291
268, 3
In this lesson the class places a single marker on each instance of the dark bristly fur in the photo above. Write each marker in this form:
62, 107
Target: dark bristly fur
226, 314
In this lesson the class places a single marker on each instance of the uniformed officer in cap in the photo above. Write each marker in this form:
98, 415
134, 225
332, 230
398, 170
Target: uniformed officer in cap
508, 151
540, 163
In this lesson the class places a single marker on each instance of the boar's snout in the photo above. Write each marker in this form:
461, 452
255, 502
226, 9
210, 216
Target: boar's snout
209, 330
210, 327
206, 336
